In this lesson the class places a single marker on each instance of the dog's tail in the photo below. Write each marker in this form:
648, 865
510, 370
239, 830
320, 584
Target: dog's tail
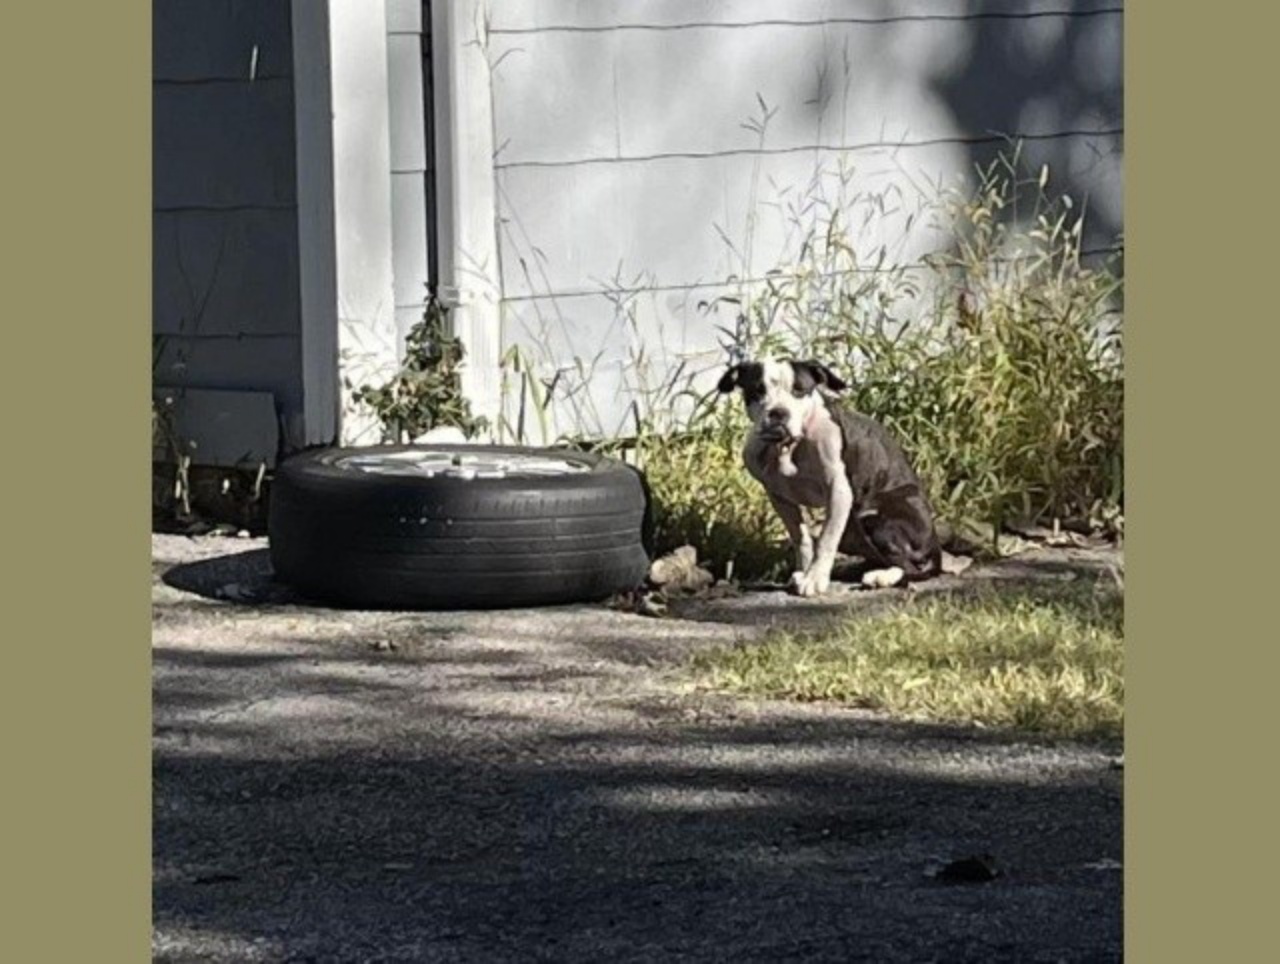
923, 564
917, 555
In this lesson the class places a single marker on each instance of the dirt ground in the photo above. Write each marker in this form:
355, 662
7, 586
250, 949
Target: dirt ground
539, 785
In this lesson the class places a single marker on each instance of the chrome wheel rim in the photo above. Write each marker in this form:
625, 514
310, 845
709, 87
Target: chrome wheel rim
428, 464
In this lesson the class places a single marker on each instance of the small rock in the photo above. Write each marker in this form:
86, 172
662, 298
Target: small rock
383, 645
955, 565
679, 571
669, 567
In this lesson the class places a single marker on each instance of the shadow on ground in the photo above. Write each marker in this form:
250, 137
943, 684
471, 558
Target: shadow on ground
337, 815
335, 786
239, 577
431, 856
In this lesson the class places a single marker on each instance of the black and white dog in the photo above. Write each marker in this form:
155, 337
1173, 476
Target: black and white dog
808, 451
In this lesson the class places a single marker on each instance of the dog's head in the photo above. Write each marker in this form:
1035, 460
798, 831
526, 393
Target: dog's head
780, 395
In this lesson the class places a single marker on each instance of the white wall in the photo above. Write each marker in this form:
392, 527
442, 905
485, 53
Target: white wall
466, 211
368, 342
411, 164
621, 155
385, 171
370, 119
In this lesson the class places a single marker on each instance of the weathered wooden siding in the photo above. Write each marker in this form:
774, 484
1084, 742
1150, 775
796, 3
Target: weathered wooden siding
622, 155
225, 227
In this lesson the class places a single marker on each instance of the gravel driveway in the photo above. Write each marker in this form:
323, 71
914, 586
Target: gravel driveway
537, 786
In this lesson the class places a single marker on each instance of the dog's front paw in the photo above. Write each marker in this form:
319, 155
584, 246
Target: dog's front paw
810, 582
883, 578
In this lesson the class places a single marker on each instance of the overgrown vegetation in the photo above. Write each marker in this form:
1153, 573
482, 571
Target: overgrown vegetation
191, 498
170, 453
426, 392
1047, 660
997, 360
1006, 384
703, 497
167, 448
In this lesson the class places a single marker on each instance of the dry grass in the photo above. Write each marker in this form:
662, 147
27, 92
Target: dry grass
1046, 660
997, 362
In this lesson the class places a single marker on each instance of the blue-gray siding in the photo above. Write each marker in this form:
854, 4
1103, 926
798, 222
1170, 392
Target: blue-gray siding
226, 312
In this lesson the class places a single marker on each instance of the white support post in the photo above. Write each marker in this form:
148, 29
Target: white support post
368, 342
313, 131
471, 285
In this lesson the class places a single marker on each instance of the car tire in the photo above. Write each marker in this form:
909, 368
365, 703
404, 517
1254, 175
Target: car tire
410, 538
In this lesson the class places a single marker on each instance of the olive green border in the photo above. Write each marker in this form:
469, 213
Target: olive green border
77, 187
1201, 347
1200, 182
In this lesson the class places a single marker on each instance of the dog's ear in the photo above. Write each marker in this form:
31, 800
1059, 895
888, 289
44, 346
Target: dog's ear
729, 380
832, 380
811, 373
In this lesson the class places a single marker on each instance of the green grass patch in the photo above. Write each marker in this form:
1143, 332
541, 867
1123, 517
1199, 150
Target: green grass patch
1044, 660
704, 497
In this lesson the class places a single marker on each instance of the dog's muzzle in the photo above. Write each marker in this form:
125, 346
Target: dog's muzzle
774, 427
